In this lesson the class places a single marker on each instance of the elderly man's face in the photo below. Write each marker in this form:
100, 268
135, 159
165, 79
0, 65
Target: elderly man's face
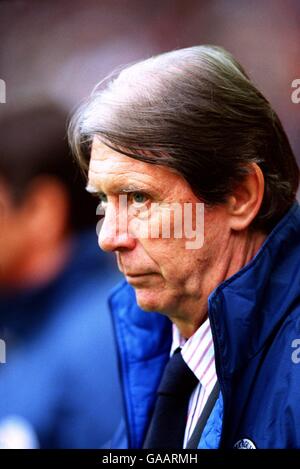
168, 273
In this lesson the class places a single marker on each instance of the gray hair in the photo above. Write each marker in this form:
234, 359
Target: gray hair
195, 111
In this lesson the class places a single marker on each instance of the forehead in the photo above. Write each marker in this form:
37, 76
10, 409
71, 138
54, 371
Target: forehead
110, 171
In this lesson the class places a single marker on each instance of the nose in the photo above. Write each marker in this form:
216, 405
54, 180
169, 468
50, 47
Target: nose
113, 234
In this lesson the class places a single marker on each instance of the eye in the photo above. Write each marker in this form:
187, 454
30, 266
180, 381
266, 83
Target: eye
139, 197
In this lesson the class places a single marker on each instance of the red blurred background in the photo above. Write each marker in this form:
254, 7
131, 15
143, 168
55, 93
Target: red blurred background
62, 48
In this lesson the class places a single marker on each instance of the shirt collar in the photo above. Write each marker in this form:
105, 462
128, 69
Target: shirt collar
198, 353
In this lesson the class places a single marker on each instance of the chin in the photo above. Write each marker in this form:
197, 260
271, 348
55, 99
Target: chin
150, 301
146, 303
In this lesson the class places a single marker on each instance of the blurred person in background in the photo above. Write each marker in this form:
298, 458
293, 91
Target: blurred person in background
58, 385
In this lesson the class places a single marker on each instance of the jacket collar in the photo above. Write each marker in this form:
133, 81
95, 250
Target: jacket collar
144, 341
246, 309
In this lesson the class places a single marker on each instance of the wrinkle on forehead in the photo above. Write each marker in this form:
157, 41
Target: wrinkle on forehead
113, 175
111, 171
100, 151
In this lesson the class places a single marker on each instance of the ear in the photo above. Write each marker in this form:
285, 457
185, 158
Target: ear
245, 202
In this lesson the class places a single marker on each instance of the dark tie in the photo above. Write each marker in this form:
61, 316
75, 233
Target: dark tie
169, 418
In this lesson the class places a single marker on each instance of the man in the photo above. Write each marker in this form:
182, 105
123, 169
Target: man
188, 129
60, 371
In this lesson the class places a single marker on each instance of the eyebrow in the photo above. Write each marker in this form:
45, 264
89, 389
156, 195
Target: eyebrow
120, 190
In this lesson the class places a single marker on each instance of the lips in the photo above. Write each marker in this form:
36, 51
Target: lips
139, 280
137, 275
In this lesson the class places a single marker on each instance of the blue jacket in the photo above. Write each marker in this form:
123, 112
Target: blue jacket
255, 321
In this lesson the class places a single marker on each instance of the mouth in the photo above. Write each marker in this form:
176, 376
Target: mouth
137, 278
136, 274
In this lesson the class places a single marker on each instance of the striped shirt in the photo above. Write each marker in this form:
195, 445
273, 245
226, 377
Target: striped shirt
198, 354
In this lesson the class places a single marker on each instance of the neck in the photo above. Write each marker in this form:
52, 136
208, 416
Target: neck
240, 248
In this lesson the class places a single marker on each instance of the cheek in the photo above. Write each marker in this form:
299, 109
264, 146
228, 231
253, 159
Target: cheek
140, 228
152, 222
170, 256
215, 223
